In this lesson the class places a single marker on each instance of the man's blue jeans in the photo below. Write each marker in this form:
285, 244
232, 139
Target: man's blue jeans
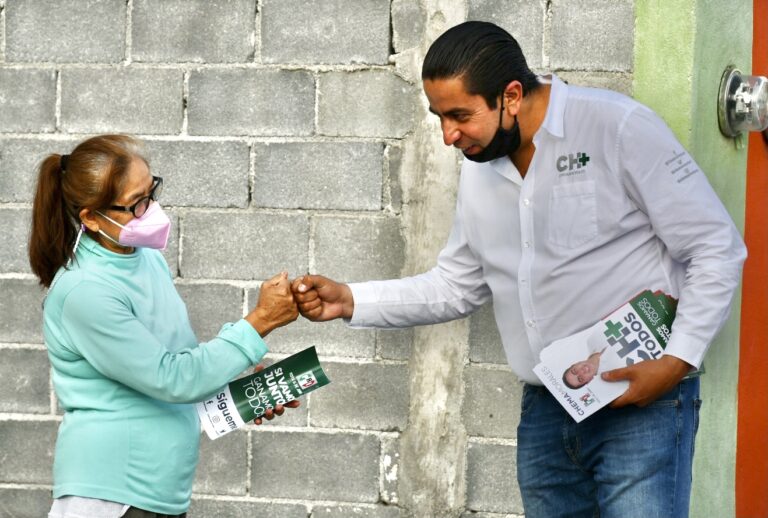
618, 463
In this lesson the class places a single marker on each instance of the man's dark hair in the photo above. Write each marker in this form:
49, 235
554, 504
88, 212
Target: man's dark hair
486, 56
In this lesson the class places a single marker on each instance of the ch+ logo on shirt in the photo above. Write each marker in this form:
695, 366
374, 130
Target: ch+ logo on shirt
570, 161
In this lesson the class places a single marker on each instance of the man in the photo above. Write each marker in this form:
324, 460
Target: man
571, 201
581, 373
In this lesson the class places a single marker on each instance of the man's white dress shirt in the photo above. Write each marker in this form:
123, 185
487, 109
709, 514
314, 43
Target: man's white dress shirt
612, 204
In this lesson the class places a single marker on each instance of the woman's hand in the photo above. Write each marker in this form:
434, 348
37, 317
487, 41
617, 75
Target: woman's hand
278, 410
276, 306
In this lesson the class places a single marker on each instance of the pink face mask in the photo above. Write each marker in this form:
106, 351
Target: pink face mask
151, 230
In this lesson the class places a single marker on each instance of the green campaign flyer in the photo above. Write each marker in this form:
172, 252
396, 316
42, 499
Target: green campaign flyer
247, 398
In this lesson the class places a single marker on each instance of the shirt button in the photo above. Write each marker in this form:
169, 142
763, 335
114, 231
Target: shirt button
527, 244
531, 323
526, 202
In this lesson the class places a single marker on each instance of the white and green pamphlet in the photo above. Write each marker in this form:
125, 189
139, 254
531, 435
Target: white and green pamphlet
247, 398
637, 331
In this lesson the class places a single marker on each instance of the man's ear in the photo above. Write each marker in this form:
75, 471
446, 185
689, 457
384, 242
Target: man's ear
88, 217
513, 94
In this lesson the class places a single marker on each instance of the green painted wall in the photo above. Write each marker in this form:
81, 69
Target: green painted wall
681, 50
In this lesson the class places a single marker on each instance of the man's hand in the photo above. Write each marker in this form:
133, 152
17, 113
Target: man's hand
648, 380
278, 410
320, 299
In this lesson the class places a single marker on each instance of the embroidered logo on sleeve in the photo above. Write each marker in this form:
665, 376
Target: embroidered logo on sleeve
681, 166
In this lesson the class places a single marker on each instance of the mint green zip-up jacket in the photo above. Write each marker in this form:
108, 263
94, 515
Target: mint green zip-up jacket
126, 369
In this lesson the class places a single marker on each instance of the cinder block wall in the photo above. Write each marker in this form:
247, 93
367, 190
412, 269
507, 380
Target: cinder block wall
282, 130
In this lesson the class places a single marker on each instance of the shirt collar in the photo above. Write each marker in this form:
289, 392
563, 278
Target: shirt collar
555, 117
93, 247
553, 124
505, 167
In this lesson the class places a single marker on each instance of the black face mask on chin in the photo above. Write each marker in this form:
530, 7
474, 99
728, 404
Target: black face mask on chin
504, 142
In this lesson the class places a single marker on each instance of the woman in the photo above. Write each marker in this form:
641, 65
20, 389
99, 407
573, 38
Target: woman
126, 364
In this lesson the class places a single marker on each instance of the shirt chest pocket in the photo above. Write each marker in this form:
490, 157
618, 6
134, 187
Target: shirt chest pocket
572, 214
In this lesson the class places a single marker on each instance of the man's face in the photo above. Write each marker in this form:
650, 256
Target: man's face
466, 120
580, 373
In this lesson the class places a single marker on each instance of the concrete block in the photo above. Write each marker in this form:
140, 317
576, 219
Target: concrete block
88, 31
226, 245
26, 451
376, 103
124, 100
390, 469
201, 174
491, 479
251, 102
19, 163
211, 305
523, 19
616, 81
353, 511
332, 338
193, 31
358, 249
318, 175
491, 405
408, 19
394, 344
223, 466
393, 181
380, 394
16, 227
592, 35
21, 315
484, 339
28, 100
24, 503
239, 509
24, 375
308, 465
325, 31
2, 37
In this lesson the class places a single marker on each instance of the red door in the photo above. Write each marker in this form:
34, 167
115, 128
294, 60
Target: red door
752, 436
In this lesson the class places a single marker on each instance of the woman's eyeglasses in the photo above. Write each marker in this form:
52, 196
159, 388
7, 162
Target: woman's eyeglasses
140, 207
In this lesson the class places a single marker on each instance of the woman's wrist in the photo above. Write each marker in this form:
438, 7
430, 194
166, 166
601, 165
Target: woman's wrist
260, 322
